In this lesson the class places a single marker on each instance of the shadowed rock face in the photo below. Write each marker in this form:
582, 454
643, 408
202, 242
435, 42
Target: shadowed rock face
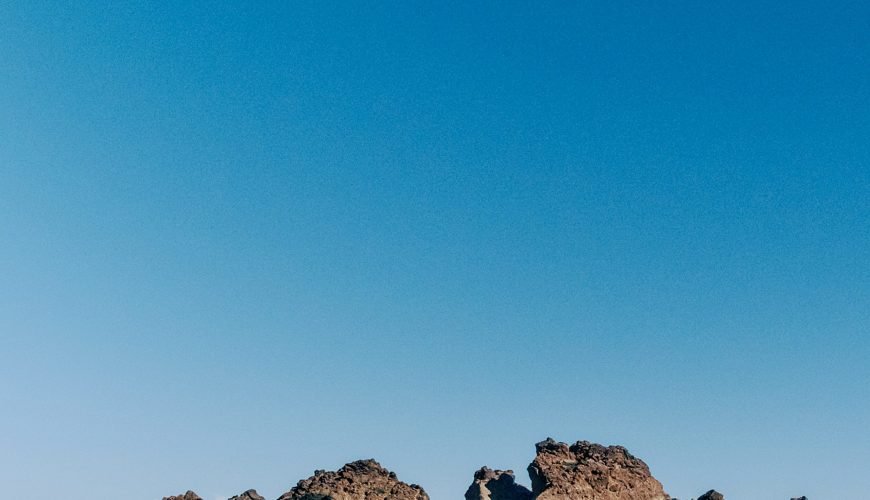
189, 495
363, 479
711, 495
588, 471
248, 495
496, 485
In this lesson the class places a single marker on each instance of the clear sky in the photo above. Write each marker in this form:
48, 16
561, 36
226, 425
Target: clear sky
243, 242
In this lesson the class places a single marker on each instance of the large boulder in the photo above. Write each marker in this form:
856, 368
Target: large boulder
589, 471
363, 479
188, 495
496, 485
711, 495
248, 495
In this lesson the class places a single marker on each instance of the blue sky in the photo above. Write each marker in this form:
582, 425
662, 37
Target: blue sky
243, 242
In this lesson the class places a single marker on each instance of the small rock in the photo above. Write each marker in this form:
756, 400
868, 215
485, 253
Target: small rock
496, 485
711, 495
248, 495
189, 495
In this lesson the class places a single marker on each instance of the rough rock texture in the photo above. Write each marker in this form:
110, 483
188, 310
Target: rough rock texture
711, 495
248, 495
189, 495
588, 471
360, 480
799, 498
496, 485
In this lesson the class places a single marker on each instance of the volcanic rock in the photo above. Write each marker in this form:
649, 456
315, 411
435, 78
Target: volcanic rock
189, 495
496, 485
363, 479
248, 495
712, 495
588, 471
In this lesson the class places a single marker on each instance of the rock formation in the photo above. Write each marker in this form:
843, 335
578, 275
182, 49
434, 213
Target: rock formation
248, 495
588, 471
496, 485
581, 471
360, 480
189, 495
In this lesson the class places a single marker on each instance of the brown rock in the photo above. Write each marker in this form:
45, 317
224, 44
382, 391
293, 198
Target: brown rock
496, 485
248, 495
711, 495
363, 479
189, 495
588, 471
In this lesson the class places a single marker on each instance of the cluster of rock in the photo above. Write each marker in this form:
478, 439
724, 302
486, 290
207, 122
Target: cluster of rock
581, 471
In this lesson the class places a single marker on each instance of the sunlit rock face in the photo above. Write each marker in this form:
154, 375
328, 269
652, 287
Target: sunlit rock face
589, 471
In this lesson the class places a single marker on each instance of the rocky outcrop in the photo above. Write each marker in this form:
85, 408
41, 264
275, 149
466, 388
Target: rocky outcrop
799, 498
588, 471
248, 495
496, 485
189, 495
360, 480
712, 495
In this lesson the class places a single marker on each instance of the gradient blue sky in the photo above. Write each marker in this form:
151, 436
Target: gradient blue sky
242, 242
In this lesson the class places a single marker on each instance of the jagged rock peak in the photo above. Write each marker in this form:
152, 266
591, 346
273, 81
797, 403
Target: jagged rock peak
590, 471
248, 495
496, 485
711, 495
799, 498
363, 479
188, 495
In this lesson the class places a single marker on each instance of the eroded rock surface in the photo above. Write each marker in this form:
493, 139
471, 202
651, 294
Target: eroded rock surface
248, 495
589, 471
360, 480
189, 495
496, 485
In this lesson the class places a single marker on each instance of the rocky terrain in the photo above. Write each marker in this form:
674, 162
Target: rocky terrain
581, 471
